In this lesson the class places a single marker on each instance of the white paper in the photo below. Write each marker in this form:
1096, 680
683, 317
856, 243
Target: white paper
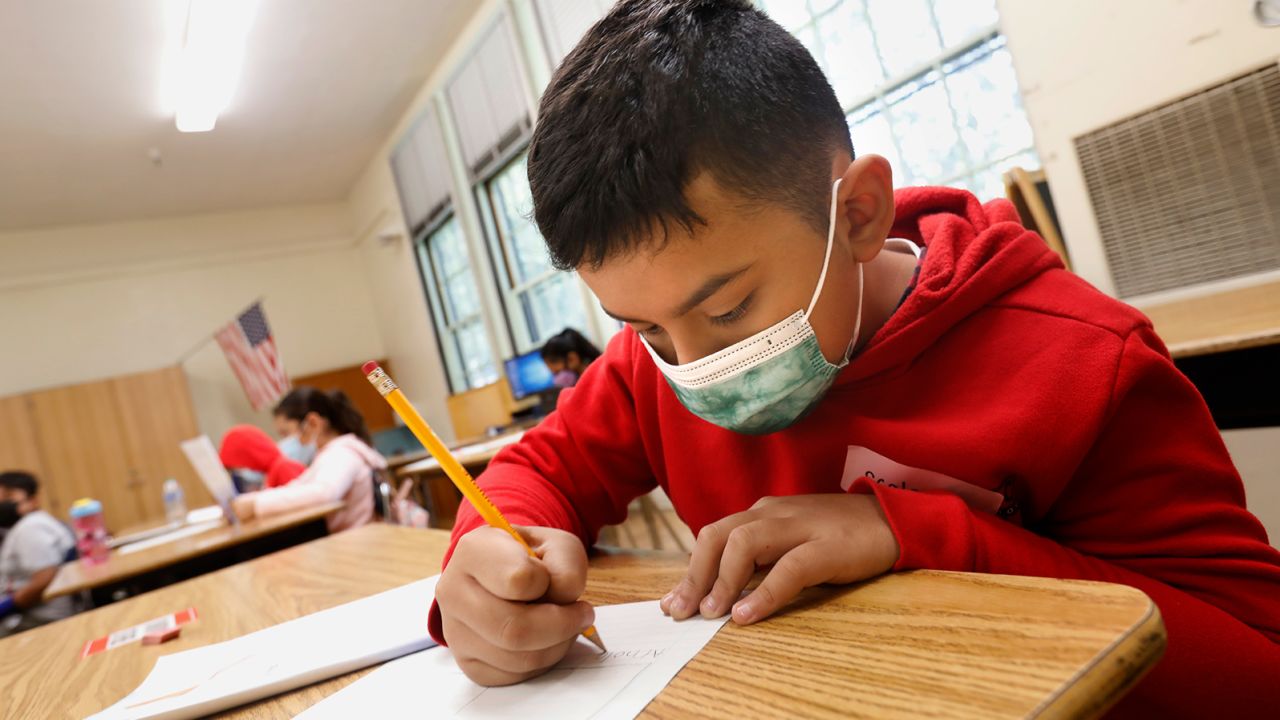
168, 537
204, 514
283, 657
646, 650
203, 456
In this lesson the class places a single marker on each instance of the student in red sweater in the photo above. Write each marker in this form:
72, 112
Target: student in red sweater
819, 399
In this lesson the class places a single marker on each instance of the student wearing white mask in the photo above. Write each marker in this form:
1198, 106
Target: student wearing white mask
288, 416
343, 470
819, 398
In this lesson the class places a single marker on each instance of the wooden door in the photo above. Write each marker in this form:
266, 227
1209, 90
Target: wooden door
83, 446
156, 414
18, 447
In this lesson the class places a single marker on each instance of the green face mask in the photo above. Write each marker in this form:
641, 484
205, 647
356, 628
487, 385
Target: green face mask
770, 380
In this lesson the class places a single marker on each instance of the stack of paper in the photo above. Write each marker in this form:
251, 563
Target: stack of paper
283, 657
171, 536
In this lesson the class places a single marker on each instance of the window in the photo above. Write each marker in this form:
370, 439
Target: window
564, 22
540, 300
455, 306
929, 84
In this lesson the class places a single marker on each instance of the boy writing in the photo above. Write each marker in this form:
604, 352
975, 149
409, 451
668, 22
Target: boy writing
819, 400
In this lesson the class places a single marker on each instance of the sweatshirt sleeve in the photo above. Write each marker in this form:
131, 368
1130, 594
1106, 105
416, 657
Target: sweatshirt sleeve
578, 470
1157, 505
328, 480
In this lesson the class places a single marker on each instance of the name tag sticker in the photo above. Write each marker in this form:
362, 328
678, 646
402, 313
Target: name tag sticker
870, 466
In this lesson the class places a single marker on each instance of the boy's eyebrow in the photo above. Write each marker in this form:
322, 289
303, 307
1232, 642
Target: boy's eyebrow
697, 297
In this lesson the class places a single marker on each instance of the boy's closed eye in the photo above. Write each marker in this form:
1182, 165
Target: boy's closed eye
735, 314
724, 319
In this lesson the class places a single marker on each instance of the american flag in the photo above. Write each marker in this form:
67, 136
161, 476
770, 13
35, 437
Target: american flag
251, 350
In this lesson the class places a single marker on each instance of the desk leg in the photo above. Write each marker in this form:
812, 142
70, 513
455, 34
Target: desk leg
443, 500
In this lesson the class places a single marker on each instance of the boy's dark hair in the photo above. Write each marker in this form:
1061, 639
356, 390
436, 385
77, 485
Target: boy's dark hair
20, 480
659, 91
559, 346
294, 405
341, 413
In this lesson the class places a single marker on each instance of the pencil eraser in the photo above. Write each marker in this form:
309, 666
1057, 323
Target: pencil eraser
161, 636
369, 367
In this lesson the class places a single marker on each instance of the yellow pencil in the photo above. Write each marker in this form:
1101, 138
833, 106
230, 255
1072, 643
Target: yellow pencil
458, 474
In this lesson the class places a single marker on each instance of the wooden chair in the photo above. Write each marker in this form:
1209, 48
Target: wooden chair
655, 521
1028, 190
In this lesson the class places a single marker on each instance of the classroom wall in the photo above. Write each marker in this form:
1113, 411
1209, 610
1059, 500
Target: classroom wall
1255, 455
1085, 64
86, 302
373, 208
399, 302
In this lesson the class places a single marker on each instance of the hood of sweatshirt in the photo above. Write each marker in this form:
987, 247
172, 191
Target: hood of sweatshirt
975, 254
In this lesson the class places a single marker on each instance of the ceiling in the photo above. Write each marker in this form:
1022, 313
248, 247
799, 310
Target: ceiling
323, 82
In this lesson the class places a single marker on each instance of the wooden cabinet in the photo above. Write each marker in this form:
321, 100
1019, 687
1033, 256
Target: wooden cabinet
18, 447
115, 440
156, 414
82, 450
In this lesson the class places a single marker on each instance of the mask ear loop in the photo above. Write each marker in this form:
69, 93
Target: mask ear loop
822, 276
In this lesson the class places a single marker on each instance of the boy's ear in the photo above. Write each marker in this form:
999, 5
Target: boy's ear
865, 200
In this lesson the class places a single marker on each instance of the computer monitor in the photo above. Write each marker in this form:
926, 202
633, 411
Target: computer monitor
528, 375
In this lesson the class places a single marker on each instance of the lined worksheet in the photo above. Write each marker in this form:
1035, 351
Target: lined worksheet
646, 650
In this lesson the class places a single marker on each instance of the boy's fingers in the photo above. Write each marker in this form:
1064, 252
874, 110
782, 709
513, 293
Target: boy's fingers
520, 663
797, 570
749, 546
565, 559
704, 565
501, 565
519, 626
482, 673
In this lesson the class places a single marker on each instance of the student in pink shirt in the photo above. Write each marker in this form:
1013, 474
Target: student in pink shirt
343, 469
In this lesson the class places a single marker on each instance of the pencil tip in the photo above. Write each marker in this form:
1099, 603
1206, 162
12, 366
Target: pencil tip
595, 640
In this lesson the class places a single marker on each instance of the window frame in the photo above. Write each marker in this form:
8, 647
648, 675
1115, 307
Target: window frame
878, 100
503, 261
433, 287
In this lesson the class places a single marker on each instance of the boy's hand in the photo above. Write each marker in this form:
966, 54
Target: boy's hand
809, 539
508, 617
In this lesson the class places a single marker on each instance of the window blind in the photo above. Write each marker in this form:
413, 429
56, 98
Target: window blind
421, 171
564, 22
487, 99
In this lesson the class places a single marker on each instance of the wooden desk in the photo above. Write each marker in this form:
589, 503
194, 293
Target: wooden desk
75, 576
913, 644
1231, 320
436, 491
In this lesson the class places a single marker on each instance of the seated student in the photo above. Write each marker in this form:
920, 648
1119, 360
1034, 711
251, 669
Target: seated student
567, 355
287, 418
815, 399
253, 459
342, 470
34, 546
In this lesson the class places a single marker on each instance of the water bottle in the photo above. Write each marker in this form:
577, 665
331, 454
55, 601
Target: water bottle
175, 503
91, 531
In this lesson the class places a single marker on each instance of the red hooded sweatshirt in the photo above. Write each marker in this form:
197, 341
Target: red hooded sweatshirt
249, 447
1009, 418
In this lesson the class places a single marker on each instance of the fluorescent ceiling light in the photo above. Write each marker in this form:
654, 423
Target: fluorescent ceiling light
203, 55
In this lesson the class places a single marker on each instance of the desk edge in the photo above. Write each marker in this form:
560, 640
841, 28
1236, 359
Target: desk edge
1093, 690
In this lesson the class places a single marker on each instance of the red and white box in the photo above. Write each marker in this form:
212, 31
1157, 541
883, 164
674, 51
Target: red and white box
135, 633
